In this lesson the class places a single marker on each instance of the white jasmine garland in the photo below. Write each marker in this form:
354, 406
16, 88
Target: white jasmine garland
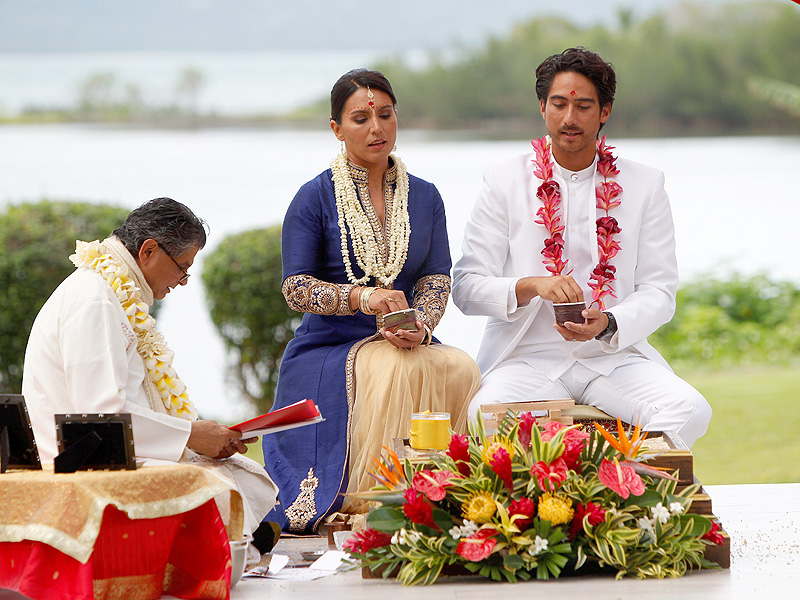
152, 347
352, 217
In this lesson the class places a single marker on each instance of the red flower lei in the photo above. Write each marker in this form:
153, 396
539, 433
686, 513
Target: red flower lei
607, 194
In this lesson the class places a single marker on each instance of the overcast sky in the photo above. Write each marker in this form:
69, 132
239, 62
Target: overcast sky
92, 25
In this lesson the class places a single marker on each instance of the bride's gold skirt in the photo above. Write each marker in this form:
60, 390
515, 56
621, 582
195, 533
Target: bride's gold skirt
391, 384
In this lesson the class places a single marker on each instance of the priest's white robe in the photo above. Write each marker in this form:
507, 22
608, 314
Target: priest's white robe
81, 358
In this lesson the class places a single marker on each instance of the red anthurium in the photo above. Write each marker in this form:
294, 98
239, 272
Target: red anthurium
477, 547
621, 478
366, 539
459, 452
525, 507
549, 477
432, 483
418, 509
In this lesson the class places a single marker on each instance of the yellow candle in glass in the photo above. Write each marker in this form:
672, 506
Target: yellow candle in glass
430, 431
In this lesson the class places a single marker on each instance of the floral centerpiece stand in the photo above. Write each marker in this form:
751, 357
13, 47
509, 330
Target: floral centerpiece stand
534, 501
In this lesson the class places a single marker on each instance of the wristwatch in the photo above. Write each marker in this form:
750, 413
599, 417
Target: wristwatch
608, 332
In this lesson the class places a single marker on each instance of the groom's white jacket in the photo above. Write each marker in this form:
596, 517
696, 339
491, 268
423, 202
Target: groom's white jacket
502, 244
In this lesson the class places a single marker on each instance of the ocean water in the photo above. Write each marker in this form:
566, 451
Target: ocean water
232, 82
735, 201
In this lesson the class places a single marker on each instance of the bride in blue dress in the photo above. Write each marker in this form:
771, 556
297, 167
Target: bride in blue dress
360, 240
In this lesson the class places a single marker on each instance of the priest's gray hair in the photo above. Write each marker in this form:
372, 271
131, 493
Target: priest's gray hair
168, 222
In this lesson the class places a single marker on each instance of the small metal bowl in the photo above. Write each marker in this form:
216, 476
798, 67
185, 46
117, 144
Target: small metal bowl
312, 555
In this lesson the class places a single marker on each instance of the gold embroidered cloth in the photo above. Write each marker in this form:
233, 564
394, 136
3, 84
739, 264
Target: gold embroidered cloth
65, 510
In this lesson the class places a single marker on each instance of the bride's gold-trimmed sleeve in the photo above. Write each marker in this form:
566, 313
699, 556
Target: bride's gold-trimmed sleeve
305, 293
430, 298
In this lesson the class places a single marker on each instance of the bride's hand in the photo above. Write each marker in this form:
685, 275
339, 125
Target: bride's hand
403, 338
384, 301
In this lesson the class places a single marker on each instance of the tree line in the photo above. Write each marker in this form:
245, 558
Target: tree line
687, 71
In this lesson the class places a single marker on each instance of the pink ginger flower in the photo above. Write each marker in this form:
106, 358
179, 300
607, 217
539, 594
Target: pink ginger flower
714, 536
594, 514
458, 450
500, 463
526, 423
417, 509
365, 540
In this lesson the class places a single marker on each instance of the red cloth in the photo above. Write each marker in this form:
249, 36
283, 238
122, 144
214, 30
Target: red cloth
185, 555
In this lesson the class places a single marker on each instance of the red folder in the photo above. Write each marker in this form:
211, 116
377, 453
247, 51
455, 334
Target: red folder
301, 413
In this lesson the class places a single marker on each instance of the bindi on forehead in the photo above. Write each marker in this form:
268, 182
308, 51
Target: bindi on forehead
573, 93
369, 108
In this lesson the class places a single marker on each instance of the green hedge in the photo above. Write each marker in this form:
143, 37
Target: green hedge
37, 239
738, 321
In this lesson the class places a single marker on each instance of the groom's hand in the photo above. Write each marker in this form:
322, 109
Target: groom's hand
596, 322
555, 288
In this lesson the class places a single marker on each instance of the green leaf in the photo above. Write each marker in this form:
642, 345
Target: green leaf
443, 519
387, 519
513, 562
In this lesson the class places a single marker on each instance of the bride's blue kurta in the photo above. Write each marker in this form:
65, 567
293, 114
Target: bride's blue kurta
313, 365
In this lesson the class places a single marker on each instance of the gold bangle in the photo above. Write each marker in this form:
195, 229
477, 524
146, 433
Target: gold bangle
428, 335
363, 300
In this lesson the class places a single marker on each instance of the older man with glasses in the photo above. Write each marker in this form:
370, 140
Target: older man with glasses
94, 348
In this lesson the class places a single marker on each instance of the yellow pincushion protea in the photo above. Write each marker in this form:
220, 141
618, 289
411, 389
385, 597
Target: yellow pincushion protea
479, 508
487, 452
555, 508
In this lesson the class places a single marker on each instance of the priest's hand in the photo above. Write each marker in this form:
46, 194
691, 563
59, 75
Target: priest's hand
596, 322
211, 439
555, 288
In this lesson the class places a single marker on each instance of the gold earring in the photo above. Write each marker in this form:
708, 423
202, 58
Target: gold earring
341, 144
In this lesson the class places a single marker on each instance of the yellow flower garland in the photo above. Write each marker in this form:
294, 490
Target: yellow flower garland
151, 345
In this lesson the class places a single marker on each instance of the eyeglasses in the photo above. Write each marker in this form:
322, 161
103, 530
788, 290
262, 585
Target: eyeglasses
186, 275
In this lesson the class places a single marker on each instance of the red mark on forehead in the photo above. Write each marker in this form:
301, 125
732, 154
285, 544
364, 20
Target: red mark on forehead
572, 93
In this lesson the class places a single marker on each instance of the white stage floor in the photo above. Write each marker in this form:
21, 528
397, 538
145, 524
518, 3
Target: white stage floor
763, 522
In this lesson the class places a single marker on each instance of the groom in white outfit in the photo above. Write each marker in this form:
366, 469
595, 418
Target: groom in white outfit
604, 360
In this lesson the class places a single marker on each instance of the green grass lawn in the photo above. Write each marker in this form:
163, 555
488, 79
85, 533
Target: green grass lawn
753, 436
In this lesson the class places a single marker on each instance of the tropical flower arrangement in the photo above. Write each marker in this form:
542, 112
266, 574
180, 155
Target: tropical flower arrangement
531, 501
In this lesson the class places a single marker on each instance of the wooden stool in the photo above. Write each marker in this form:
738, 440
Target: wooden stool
553, 409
